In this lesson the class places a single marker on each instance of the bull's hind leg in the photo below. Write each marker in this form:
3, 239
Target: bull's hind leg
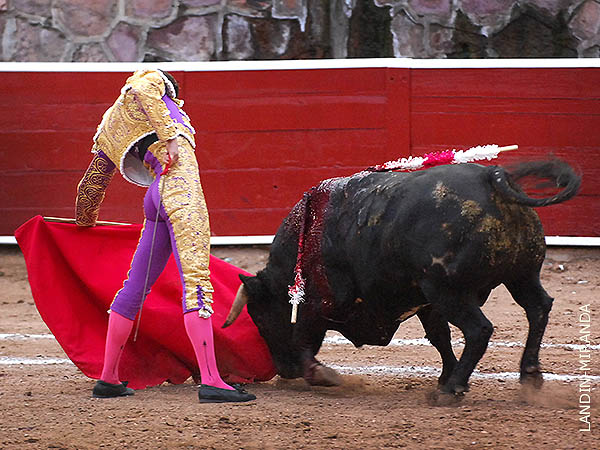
462, 310
437, 332
537, 304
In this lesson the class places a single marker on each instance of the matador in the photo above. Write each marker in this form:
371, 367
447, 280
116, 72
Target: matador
148, 137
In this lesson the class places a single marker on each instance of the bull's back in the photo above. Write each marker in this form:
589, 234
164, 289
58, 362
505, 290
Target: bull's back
447, 222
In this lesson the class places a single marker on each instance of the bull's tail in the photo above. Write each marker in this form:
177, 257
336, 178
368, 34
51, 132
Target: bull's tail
558, 172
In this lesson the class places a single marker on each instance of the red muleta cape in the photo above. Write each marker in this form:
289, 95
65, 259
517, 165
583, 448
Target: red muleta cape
74, 274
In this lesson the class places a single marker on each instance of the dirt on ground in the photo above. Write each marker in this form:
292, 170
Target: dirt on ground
385, 400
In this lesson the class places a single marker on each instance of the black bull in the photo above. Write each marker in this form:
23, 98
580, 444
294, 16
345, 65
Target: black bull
380, 247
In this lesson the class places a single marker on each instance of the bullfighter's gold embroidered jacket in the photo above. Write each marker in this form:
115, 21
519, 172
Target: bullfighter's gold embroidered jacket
138, 112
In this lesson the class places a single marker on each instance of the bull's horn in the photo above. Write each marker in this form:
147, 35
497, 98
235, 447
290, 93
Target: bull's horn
241, 299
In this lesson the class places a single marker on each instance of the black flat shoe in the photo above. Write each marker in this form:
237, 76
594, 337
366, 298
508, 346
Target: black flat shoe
102, 389
211, 394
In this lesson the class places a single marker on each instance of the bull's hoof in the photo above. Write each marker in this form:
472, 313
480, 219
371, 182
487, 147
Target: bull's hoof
455, 389
320, 375
532, 376
442, 380
440, 398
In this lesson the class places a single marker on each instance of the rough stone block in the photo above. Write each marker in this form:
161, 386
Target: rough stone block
124, 41
592, 52
491, 15
272, 38
32, 42
86, 18
553, 7
586, 22
408, 38
90, 53
290, 9
533, 36
238, 38
2, 27
34, 7
467, 38
186, 39
148, 9
199, 3
437, 8
440, 41
486, 7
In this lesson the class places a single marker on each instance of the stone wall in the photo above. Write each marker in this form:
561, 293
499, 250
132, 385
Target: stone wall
202, 30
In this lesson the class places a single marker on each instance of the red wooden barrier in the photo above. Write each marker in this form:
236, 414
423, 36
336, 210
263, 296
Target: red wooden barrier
266, 136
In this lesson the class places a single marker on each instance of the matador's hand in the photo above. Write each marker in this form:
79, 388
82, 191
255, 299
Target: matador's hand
173, 150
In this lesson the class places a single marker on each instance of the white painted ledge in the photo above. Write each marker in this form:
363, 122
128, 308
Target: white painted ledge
309, 64
573, 241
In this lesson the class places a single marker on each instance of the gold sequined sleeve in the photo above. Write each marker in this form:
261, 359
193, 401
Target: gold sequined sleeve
148, 91
91, 190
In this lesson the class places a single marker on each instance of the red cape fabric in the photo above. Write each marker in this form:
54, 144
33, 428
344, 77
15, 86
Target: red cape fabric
74, 274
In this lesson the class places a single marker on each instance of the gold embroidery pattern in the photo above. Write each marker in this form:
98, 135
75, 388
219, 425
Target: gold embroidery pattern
183, 200
137, 112
147, 97
91, 190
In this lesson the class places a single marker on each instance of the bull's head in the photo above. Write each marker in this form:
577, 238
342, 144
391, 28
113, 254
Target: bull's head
272, 318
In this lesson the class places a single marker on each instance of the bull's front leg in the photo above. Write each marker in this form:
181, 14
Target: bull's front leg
309, 341
317, 374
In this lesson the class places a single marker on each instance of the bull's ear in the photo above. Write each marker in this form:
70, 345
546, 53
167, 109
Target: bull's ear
254, 286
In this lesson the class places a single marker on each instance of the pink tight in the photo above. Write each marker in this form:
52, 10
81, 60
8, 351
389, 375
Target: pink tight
199, 331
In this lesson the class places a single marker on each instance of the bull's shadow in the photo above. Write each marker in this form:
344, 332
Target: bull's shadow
379, 247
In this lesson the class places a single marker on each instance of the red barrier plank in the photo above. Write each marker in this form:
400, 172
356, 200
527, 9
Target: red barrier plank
515, 105
50, 88
59, 188
45, 150
508, 83
398, 112
54, 117
289, 113
245, 222
576, 217
200, 86
308, 149
264, 188
286, 99
523, 129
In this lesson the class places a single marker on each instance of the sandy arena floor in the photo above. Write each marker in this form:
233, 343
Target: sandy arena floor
46, 402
